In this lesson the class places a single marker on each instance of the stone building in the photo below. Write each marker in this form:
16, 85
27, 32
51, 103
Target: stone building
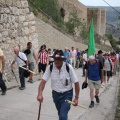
99, 15
85, 14
73, 5
17, 27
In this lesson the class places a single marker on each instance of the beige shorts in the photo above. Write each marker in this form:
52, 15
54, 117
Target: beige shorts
94, 84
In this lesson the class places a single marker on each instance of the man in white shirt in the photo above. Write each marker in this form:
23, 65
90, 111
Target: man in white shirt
84, 58
73, 55
62, 76
22, 61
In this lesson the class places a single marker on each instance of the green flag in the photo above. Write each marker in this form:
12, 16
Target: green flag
91, 42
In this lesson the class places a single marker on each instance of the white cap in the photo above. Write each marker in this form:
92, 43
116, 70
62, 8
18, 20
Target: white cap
66, 48
92, 57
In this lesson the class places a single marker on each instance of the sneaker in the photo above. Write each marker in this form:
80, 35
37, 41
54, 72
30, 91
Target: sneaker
21, 88
97, 99
108, 82
102, 86
83, 75
91, 104
4, 92
30, 81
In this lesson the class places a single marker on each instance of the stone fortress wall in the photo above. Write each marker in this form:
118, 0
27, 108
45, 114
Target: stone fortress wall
73, 5
84, 14
17, 27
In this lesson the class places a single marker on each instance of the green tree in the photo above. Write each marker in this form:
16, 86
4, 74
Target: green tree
50, 7
84, 32
73, 22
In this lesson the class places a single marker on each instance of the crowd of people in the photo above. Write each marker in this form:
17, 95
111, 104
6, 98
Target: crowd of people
60, 65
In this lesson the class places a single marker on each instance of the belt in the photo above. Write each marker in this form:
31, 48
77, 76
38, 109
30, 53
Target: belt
62, 92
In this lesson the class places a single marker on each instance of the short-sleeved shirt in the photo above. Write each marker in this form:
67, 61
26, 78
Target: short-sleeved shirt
19, 61
30, 56
67, 54
58, 78
43, 57
84, 57
1, 54
113, 58
108, 63
94, 71
73, 53
101, 59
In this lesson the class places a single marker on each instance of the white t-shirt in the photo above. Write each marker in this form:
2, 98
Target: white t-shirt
19, 61
84, 57
58, 78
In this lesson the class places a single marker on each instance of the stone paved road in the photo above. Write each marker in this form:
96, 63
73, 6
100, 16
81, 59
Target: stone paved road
22, 105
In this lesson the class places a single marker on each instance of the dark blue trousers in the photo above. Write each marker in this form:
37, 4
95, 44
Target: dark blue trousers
2, 84
83, 68
21, 76
62, 107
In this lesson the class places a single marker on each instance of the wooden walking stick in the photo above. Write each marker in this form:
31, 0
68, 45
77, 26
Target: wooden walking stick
5, 78
39, 111
27, 69
70, 102
14, 75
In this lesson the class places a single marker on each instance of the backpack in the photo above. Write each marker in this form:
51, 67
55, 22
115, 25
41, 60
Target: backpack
67, 67
98, 63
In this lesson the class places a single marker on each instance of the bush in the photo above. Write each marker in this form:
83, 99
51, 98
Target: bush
50, 7
73, 22
84, 32
113, 42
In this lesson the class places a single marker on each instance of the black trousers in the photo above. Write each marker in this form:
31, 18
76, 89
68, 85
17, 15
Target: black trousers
21, 76
41, 67
2, 84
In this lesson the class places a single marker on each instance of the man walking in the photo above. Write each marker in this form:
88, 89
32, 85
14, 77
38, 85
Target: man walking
62, 76
73, 55
30, 53
84, 59
2, 65
22, 61
94, 74
108, 69
67, 55
78, 58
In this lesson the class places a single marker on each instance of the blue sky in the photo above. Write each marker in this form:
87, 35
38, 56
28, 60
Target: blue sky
100, 2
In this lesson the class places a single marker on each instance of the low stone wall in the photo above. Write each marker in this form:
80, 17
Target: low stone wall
17, 27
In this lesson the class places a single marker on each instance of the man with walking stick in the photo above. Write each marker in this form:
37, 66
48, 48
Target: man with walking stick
2, 65
21, 60
62, 76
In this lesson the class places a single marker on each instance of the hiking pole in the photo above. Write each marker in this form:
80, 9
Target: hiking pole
70, 102
39, 111
27, 69
14, 75
5, 78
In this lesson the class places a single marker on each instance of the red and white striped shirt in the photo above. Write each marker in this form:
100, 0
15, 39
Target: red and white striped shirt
43, 57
